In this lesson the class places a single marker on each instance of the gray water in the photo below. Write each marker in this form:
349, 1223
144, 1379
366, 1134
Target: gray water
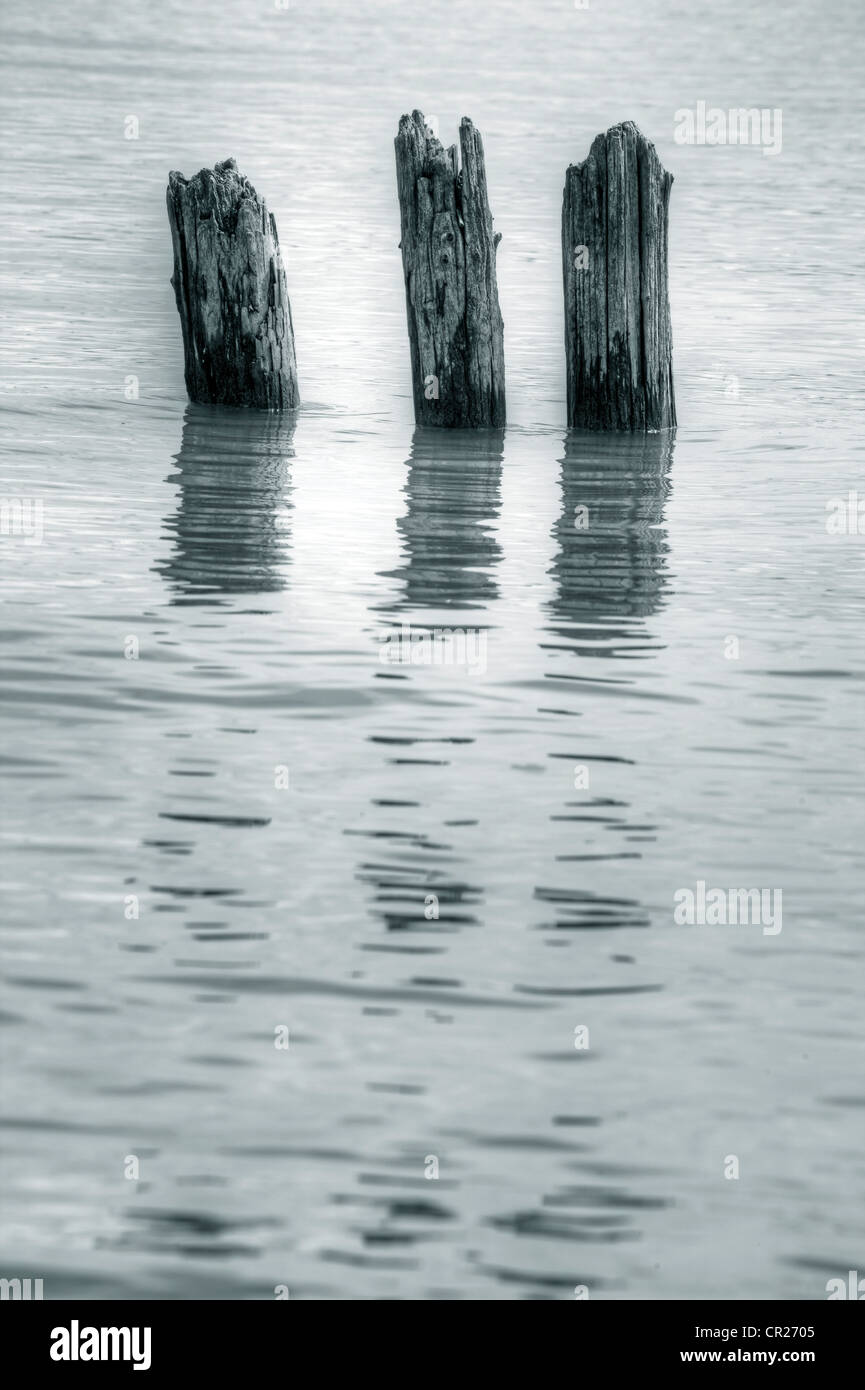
203, 621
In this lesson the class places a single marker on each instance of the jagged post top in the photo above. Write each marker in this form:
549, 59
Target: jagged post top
222, 193
429, 153
618, 135
432, 157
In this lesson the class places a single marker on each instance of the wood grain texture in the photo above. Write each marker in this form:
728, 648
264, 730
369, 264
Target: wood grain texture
618, 336
455, 328
229, 283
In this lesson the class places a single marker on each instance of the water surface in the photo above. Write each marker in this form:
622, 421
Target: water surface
225, 815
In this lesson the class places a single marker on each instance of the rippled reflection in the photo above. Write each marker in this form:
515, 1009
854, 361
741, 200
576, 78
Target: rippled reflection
450, 550
448, 532
610, 572
610, 567
228, 532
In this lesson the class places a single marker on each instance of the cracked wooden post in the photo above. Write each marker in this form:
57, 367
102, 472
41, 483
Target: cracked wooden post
449, 261
618, 339
229, 283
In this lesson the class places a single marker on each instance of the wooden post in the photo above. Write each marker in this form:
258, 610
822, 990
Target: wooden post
229, 283
449, 261
618, 340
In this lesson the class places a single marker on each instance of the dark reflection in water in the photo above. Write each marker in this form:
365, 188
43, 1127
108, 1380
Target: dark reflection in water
611, 562
610, 572
578, 909
587, 1214
228, 533
402, 887
450, 551
448, 532
190, 1234
404, 865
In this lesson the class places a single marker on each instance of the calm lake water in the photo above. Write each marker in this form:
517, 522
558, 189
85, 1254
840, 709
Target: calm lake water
673, 695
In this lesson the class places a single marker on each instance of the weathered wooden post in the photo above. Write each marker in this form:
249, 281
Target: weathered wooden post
449, 261
229, 283
618, 339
